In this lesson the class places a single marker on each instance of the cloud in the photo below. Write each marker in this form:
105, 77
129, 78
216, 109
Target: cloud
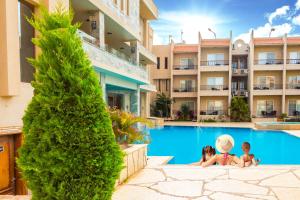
279, 12
297, 5
264, 31
173, 22
296, 20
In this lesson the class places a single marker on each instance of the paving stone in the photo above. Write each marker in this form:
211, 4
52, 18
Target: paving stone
207, 192
147, 176
202, 198
193, 173
282, 180
253, 174
287, 193
234, 186
128, 192
225, 196
180, 188
297, 172
264, 197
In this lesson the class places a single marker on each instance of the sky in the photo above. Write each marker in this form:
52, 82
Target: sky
223, 16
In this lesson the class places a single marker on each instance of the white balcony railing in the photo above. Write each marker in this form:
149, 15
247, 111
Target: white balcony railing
112, 60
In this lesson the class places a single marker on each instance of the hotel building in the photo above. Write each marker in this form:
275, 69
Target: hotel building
116, 35
205, 76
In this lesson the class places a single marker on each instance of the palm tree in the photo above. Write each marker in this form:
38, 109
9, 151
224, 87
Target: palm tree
162, 104
239, 110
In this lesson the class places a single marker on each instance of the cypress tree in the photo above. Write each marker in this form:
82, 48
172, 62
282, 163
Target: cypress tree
69, 149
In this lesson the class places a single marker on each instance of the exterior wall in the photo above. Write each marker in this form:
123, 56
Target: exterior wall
276, 99
291, 48
276, 74
204, 102
206, 75
205, 51
287, 99
12, 108
278, 50
179, 56
161, 51
179, 101
143, 104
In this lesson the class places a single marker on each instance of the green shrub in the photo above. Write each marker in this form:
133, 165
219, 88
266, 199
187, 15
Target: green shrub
125, 127
239, 110
69, 152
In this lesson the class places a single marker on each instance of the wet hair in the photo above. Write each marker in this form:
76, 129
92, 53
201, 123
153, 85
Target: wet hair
207, 149
246, 145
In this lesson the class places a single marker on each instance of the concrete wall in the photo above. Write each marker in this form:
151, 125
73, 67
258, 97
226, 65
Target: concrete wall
278, 50
205, 51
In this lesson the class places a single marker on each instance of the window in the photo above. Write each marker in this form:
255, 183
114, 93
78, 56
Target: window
128, 6
264, 106
167, 84
189, 104
266, 81
213, 81
187, 85
294, 79
26, 33
186, 63
294, 107
215, 59
158, 62
166, 62
266, 58
216, 105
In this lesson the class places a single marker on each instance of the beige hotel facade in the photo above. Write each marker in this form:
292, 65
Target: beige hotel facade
205, 76
116, 35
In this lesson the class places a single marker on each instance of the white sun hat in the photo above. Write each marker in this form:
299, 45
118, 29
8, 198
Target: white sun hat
224, 143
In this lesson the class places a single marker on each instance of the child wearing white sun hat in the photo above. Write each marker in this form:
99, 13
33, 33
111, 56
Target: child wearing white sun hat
224, 144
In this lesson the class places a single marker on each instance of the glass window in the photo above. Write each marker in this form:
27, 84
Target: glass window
266, 106
216, 105
215, 59
190, 104
215, 80
294, 107
166, 62
294, 57
187, 84
266, 81
158, 63
186, 62
266, 58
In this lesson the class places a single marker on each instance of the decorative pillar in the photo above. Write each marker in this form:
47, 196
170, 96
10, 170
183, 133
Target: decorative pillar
9, 49
101, 30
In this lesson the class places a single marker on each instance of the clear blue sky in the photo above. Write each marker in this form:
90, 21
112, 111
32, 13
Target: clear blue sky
240, 16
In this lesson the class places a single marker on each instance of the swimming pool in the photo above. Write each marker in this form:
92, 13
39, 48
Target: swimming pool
185, 143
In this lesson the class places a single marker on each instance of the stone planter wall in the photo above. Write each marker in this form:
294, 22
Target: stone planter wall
134, 160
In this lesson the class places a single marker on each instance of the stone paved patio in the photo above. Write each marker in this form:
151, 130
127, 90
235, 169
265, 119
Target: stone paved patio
183, 182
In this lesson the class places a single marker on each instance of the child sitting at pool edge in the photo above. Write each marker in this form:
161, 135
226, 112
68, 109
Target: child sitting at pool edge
207, 153
247, 159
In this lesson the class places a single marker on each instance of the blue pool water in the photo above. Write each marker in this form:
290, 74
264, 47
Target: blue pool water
185, 143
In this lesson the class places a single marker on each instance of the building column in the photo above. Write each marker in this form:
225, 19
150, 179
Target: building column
135, 55
230, 74
135, 102
284, 74
103, 86
251, 73
101, 29
9, 49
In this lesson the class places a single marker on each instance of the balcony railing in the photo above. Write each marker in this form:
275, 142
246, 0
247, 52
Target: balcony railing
113, 58
214, 87
215, 63
268, 62
293, 86
185, 67
213, 112
268, 114
236, 71
239, 92
293, 61
267, 86
294, 113
192, 89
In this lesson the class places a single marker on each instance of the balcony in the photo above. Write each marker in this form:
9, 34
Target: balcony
109, 60
240, 92
213, 112
214, 65
185, 92
185, 70
239, 72
268, 114
292, 89
146, 54
267, 89
148, 10
268, 64
214, 90
292, 64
